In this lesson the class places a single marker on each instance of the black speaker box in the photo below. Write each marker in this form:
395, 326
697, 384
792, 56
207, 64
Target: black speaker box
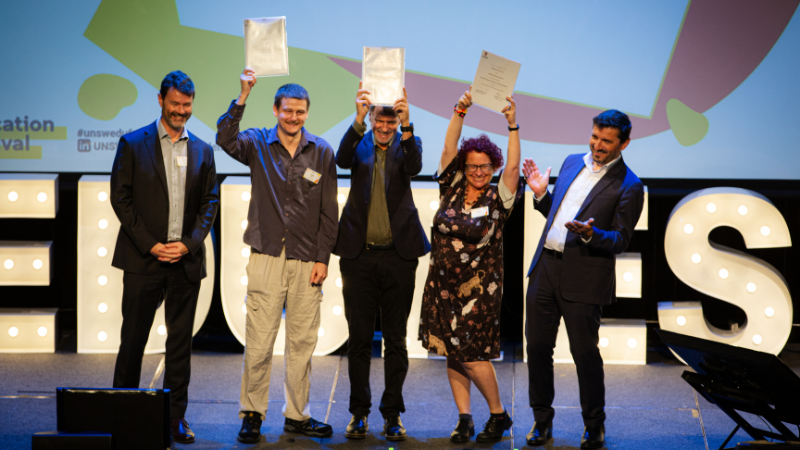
138, 419
57, 440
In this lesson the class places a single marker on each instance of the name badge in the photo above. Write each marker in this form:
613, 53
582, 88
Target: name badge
480, 212
312, 176
182, 160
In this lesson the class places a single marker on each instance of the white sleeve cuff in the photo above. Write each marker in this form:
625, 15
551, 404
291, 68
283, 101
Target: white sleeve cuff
505, 194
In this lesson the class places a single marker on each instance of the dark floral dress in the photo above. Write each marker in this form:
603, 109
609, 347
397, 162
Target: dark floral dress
460, 314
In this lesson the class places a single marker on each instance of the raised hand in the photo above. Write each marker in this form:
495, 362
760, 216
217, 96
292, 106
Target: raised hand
362, 103
247, 79
537, 180
466, 100
510, 112
401, 106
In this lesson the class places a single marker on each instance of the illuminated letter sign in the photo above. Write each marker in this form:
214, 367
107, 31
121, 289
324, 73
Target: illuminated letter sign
726, 274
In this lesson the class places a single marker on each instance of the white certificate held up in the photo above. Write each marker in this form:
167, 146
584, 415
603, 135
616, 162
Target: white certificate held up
383, 73
494, 81
265, 48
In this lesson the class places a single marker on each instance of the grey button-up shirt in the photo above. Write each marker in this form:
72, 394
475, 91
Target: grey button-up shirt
286, 209
175, 161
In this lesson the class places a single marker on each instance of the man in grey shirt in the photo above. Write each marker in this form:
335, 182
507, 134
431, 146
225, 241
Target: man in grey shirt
291, 229
164, 191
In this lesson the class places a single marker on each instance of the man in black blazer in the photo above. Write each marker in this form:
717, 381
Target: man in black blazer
591, 215
164, 191
380, 240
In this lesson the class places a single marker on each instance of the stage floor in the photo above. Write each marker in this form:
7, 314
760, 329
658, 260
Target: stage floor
647, 407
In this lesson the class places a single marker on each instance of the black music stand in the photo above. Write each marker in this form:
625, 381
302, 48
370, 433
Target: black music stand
741, 380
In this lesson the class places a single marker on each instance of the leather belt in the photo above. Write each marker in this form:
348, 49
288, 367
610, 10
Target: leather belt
379, 247
552, 253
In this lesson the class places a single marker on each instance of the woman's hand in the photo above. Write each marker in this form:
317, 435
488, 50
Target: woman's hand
466, 100
510, 112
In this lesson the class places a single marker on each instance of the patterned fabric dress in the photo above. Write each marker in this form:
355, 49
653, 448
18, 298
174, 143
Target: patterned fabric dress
460, 314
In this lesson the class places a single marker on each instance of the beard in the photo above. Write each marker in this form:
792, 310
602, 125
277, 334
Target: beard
170, 118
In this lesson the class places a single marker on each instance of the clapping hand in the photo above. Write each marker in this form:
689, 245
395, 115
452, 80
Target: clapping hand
537, 180
584, 229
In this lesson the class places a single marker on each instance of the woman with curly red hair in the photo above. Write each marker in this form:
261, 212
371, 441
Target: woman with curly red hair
460, 316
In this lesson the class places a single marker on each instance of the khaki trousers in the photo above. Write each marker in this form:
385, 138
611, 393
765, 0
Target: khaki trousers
273, 282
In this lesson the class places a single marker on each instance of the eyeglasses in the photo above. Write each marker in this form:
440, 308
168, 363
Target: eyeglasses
485, 168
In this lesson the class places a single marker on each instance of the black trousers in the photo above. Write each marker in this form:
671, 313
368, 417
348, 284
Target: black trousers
377, 279
141, 296
544, 309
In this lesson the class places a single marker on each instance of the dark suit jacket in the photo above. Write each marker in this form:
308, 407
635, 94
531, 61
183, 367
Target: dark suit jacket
615, 203
140, 199
403, 161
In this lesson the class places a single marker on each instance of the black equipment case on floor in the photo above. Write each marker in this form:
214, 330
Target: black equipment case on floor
138, 419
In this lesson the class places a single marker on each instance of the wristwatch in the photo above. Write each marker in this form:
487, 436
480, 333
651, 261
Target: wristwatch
409, 128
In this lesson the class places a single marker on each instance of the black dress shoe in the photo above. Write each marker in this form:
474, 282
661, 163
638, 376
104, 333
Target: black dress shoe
308, 427
251, 428
465, 429
540, 433
357, 428
181, 432
494, 428
593, 437
393, 429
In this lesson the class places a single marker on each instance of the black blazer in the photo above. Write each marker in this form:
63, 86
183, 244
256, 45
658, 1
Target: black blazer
140, 199
403, 161
588, 272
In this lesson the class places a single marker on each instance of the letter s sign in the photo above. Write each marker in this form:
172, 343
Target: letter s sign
729, 275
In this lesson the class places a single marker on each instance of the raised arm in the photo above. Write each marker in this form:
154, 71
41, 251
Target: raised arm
454, 130
511, 173
346, 155
236, 144
538, 182
409, 144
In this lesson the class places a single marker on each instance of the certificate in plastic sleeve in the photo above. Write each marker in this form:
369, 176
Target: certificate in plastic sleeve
383, 74
494, 81
265, 47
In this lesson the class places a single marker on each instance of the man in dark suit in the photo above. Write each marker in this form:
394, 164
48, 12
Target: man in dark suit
164, 191
591, 215
380, 240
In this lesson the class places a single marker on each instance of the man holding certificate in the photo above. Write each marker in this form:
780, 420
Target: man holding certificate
291, 228
590, 215
380, 241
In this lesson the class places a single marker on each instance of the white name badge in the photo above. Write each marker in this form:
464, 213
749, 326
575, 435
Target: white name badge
480, 212
182, 161
312, 176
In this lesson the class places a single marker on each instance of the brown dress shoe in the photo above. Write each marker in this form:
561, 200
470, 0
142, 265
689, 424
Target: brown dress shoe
181, 433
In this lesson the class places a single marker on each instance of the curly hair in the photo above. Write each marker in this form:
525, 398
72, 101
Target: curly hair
480, 144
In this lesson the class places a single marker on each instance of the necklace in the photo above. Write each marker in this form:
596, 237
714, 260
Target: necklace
468, 203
